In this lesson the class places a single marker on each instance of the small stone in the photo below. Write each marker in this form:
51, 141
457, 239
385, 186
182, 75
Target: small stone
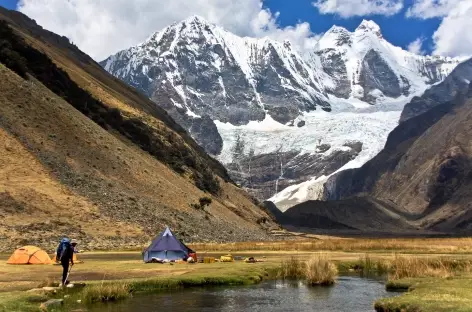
66, 296
49, 288
51, 304
79, 301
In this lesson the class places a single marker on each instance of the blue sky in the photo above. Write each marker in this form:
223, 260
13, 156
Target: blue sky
397, 29
106, 26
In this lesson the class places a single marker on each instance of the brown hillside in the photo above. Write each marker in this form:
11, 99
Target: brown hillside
107, 185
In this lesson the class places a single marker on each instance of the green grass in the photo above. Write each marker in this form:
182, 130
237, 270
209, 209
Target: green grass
105, 292
431, 295
20, 301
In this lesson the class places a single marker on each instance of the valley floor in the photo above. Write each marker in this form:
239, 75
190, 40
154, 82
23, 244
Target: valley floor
446, 292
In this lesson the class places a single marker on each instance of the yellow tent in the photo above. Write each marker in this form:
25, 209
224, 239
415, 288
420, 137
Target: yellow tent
29, 255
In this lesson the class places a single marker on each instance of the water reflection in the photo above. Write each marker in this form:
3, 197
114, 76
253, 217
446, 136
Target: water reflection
349, 294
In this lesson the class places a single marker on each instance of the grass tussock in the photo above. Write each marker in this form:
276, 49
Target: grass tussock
291, 268
106, 292
317, 270
320, 271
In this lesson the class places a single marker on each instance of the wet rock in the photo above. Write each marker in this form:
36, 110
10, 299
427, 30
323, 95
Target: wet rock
51, 304
272, 172
354, 145
50, 288
206, 134
323, 148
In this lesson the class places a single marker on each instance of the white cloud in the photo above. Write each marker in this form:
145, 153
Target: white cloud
349, 8
454, 36
104, 27
416, 46
425, 9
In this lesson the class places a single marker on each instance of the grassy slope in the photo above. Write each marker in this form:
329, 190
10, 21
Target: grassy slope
102, 172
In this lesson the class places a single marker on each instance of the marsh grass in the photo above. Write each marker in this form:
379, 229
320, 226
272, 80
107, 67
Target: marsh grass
292, 268
317, 270
320, 271
412, 267
403, 245
370, 267
106, 292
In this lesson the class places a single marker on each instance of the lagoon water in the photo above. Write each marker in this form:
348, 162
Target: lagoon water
350, 294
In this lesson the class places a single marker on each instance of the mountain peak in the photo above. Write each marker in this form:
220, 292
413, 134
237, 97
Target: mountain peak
369, 26
195, 19
337, 29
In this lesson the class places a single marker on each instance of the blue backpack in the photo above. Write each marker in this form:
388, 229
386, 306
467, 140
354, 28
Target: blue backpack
62, 248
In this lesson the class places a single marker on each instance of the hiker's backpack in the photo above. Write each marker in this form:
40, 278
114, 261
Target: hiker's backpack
64, 245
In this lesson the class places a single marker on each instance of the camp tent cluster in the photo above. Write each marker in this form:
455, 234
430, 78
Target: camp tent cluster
167, 247
33, 255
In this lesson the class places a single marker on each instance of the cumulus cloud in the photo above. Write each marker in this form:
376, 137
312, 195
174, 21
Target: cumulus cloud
453, 37
350, 8
425, 9
104, 27
416, 46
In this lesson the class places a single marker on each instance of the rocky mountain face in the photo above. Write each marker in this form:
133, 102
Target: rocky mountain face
195, 69
442, 100
423, 176
443, 93
363, 65
284, 107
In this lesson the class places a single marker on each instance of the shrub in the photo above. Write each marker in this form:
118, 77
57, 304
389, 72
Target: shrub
196, 206
320, 271
205, 201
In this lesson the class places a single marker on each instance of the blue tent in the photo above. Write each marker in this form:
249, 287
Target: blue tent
166, 247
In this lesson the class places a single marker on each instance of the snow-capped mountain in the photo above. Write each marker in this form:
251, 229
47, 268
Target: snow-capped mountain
276, 118
363, 65
196, 69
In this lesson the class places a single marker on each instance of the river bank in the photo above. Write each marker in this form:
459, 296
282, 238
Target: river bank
124, 273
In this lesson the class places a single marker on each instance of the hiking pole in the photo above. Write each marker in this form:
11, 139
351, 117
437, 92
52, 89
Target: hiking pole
67, 276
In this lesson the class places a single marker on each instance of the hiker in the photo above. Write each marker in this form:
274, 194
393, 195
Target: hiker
65, 254
73, 243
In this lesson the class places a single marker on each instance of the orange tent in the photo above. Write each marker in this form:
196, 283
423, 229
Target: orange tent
29, 255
